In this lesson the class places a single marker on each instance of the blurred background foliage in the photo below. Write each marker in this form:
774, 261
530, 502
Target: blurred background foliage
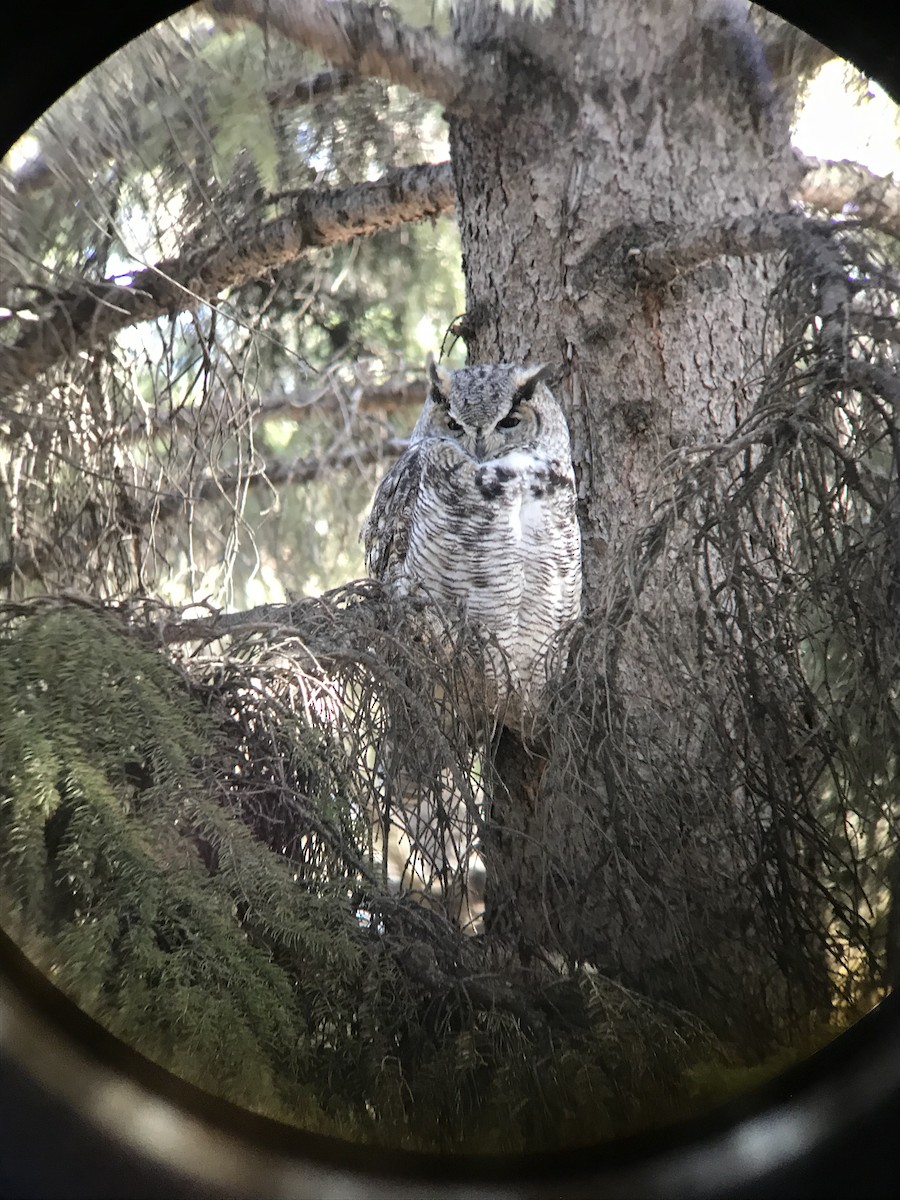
252, 420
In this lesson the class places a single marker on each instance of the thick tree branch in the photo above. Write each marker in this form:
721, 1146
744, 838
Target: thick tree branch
850, 189
172, 628
318, 217
371, 41
310, 90
811, 244
660, 262
792, 55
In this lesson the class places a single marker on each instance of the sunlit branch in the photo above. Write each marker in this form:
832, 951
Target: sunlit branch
81, 320
371, 41
850, 189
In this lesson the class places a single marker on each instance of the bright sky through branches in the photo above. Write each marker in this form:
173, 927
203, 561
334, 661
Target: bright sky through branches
847, 117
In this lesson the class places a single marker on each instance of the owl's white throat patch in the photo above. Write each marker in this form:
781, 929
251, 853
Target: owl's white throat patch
516, 460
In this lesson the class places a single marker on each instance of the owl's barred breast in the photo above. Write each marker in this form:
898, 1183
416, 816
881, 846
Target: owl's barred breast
498, 543
478, 518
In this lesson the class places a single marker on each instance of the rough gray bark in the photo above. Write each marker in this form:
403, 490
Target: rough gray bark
660, 125
624, 131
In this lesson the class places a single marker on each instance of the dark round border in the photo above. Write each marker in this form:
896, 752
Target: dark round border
104, 1097
82, 1114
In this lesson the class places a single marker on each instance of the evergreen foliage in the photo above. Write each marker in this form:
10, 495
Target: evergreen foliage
132, 872
189, 138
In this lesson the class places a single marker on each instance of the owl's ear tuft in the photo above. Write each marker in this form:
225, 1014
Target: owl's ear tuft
440, 379
526, 379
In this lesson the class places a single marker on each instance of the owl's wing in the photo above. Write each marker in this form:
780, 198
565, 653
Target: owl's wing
386, 532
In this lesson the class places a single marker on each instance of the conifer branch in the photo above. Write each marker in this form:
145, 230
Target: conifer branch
852, 190
81, 320
328, 399
58, 156
837, 187
371, 41
310, 90
276, 473
30, 564
662, 261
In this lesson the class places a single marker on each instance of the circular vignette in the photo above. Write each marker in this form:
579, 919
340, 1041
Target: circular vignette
819, 1129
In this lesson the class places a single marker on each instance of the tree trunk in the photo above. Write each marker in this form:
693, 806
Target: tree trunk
624, 125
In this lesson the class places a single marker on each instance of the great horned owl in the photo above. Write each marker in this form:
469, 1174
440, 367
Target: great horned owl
478, 519
478, 516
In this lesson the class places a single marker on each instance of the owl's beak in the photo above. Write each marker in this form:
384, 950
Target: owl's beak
479, 445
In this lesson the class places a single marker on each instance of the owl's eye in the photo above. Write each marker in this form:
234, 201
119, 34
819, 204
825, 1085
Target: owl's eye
509, 422
454, 426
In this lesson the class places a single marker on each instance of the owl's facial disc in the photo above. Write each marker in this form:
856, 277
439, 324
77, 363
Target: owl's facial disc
488, 411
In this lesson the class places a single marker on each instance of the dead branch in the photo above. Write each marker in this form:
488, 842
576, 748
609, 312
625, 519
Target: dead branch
852, 190
172, 628
663, 261
301, 619
81, 320
30, 564
371, 41
276, 473
329, 399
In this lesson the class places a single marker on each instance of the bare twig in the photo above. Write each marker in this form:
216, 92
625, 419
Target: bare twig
324, 400
277, 473
371, 41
